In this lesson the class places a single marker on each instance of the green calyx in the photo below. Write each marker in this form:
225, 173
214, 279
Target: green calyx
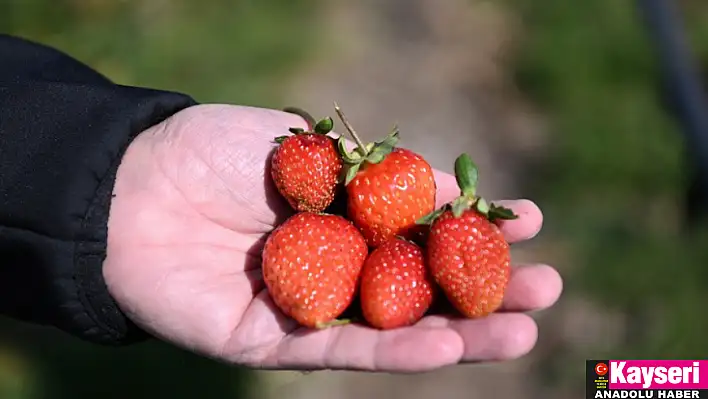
333, 323
467, 176
372, 153
324, 126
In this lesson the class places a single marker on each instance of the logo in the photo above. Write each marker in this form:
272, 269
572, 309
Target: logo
648, 374
647, 379
597, 375
601, 369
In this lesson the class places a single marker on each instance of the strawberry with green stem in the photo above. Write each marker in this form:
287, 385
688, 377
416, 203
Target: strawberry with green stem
388, 188
467, 253
306, 166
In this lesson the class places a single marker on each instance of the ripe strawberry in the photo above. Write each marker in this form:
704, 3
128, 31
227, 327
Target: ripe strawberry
396, 288
311, 265
466, 252
388, 188
306, 167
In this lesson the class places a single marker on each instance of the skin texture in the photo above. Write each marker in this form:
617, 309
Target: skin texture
193, 206
386, 199
396, 287
306, 169
311, 264
469, 258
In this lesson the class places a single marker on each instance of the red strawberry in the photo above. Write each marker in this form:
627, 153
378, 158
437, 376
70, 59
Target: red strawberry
466, 252
396, 288
306, 167
388, 188
311, 265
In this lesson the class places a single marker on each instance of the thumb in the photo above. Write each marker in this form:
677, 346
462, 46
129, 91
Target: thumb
235, 144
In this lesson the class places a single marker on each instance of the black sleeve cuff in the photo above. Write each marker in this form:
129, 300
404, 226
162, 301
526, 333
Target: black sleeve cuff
95, 315
61, 146
91, 311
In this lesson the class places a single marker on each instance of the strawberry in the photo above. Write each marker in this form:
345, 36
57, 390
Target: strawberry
311, 266
388, 188
466, 251
306, 167
396, 288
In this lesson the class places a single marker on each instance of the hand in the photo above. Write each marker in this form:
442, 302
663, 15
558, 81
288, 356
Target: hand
192, 208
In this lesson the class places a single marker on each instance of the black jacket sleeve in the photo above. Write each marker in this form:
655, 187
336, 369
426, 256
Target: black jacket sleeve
63, 131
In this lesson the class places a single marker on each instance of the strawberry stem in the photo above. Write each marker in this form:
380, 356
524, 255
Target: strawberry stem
304, 115
350, 129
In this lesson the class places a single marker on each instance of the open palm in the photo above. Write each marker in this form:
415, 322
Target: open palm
192, 208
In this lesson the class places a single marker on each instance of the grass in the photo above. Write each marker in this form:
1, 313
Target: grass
216, 50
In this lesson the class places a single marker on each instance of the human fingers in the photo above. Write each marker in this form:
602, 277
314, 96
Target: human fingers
358, 347
532, 287
526, 226
435, 342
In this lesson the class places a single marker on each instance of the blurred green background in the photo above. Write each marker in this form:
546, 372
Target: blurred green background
611, 180
615, 185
